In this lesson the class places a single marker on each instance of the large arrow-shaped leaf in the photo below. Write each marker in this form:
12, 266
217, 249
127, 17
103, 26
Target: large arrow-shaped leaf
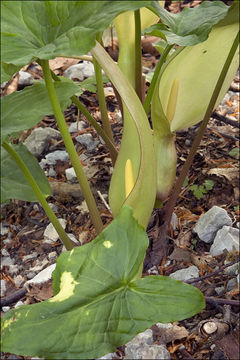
46, 29
97, 304
13, 183
24, 109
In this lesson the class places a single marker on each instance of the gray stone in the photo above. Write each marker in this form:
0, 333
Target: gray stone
185, 274
6, 261
3, 287
231, 270
30, 256
43, 276
52, 157
19, 280
232, 283
80, 71
72, 237
51, 172
70, 174
237, 224
164, 326
226, 238
77, 126
39, 139
220, 290
147, 352
174, 221
25, 78
13, 269
83, 208
108, 356
87, 141
213, 220
52, 255
50, 234
31, 275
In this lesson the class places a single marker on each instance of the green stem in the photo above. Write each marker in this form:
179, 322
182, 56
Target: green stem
155, 77
113, 151
83, 182
138, 56
178, 185
101, 97
63, 236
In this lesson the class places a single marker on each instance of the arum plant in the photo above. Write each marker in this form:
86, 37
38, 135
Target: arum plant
99, 303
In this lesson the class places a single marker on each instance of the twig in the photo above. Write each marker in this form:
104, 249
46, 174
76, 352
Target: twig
224, 119
216, 301
194, 280
8, 300
104, 201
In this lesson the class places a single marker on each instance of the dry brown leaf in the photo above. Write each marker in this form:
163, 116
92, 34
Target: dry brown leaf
229, 173
62, 63
13, 85
165, 336
182, 255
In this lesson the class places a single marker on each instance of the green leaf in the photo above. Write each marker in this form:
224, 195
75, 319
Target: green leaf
14, 183
234, 152
98, 305
89, 84
24, 109
45, 29
198, 68
190, 26
186, 181
209, 184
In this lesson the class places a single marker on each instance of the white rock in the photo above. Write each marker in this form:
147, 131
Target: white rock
50, 234
5, 252
174, 221
108, 356
145, 337
83, 208
19, 303
30, 256
39, 139
147, 352
43, 276
52, 255
164, 326
25, 78
70, 174
226, 238
39, 266
6, 261
5, 309
186, 274
213, 220
77, 126
3, 287
52, 157
72, 237
51, 172
4, 230
80, 71
31, 275
13, 269
19, 280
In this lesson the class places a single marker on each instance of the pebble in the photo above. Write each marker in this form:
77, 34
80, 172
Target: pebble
87, 141
5, 309
4, 230
83, 208
208, 224
77, 126
51, 172
3, 287
164, 326
80, 71
30, 256
83, 237
43, 276
31, 275
52, 255
186, 274
25, 79
231, 270
174, 221
39, 140
52, 157
147, 352
39, 266
72, 237
5, 252
13, 269
220, 290
232, 283
54, 207
50, 234
6, 261
109, 356
19, 303
226, 238
71, 175
19, 280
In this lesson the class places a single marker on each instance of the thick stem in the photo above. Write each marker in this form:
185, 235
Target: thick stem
138, 56
41, 198
113, 151
178, 185
155, 77
101, 97
83, 182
